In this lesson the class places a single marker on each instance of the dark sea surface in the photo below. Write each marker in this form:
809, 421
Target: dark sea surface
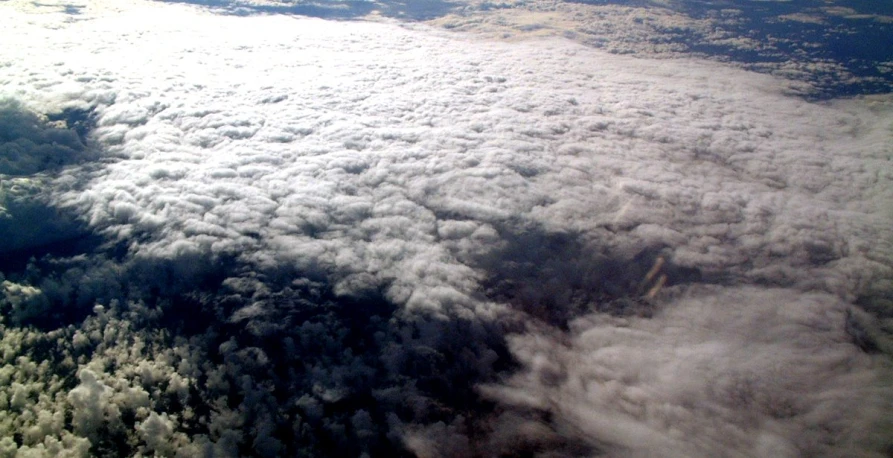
846, 47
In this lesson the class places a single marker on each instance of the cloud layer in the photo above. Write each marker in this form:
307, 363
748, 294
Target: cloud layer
750, 372
833, 49
349, 238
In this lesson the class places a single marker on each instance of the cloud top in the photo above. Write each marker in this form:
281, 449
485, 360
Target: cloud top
363, 238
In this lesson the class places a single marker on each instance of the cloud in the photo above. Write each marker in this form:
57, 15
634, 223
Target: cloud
362, 238
733, 32
30, 144
332, 9
716, 371
29, 220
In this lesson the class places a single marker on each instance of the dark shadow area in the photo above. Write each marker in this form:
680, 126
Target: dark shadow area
312, 373
559, 276
870, 324
31, 143
34, 148
34, 232
18, 260
335, 360
331, 9
79, 120
308, 372
31, 226
73, 10
877, 299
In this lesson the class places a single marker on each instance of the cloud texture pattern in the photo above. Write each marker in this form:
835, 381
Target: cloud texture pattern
607, 255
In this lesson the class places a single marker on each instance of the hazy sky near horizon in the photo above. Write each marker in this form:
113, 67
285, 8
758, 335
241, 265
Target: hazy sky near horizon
462, 179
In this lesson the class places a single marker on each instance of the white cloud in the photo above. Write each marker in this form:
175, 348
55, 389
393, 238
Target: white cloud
747, 37
156, 431
466, 180
90, 402
340, 182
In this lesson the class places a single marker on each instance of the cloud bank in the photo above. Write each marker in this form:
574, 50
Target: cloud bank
821, 47
326, 238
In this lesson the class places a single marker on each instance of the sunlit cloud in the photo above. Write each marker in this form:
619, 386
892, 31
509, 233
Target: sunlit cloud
286, 235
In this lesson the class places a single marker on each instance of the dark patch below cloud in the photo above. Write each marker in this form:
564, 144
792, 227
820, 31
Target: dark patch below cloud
557, 277
33, 149
30, 143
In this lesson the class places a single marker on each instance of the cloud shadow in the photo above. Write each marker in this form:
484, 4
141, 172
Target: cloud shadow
557, 277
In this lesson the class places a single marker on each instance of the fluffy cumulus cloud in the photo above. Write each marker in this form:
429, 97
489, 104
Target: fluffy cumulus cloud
372, 238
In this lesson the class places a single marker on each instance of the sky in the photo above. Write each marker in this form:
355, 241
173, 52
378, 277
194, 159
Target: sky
455, 229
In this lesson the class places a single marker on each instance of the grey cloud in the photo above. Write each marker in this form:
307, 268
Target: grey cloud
32, 144
717, 371
32, 148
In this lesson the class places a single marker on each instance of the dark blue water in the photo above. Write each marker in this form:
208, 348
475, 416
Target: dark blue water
856, 46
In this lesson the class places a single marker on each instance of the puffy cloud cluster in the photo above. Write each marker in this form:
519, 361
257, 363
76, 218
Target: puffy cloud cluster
351, 239
93, 389
293, 372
